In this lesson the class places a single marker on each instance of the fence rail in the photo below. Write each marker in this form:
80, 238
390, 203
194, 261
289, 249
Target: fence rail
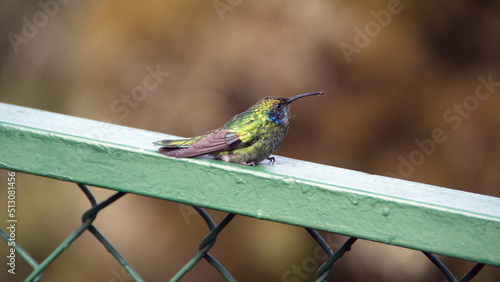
382, 209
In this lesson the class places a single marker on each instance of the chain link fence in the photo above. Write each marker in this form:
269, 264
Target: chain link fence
88, 217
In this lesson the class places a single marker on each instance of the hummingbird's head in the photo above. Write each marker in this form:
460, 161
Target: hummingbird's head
278, 108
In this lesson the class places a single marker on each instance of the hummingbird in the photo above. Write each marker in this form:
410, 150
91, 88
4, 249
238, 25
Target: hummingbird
247, 138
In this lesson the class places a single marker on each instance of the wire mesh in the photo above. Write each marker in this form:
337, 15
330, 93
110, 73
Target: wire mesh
206, 244
322, 273
447, 273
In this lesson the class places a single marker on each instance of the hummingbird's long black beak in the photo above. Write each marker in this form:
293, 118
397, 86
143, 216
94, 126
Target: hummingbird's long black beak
303, 95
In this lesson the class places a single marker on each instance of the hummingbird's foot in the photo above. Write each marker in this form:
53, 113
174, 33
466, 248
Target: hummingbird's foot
249, 163
271, 160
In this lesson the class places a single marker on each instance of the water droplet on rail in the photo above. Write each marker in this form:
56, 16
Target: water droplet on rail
385, 211
259, 214
354, 201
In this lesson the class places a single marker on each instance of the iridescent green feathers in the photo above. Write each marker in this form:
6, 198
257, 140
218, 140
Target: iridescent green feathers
248, 138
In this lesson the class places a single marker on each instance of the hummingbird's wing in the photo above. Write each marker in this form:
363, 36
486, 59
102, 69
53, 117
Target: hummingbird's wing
222, 140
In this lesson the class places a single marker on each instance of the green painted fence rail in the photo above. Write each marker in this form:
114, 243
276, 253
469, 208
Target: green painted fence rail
382, 209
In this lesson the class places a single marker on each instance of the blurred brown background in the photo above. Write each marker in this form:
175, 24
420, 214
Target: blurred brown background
393, 72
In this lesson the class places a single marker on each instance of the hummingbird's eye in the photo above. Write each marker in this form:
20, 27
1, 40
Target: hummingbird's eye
278, 106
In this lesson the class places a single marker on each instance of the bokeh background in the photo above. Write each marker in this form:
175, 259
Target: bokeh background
393, 71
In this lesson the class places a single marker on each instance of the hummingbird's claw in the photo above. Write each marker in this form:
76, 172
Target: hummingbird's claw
271, 160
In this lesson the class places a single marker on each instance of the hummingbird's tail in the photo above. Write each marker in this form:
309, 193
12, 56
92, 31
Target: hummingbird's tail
173, 152
176, 143
175, 148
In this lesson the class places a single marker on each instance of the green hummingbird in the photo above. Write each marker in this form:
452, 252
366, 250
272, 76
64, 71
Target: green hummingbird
247, 138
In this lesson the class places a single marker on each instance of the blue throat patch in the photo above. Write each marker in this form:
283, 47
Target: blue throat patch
276, 117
